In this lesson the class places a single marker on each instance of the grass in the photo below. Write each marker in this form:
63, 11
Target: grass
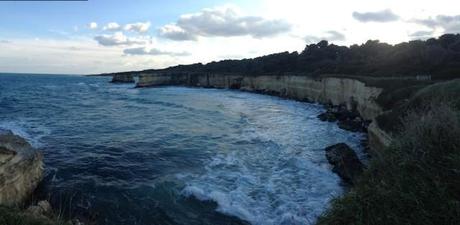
414, 97
417, 179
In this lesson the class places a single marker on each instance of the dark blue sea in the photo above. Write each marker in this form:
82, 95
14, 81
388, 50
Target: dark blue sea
119, 155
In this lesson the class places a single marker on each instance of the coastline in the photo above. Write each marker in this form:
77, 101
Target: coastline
354, 94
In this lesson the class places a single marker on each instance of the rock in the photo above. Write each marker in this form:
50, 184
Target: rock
123, 78
327, 116
345, 162
42, 209
21, 169
351, 125
77, 222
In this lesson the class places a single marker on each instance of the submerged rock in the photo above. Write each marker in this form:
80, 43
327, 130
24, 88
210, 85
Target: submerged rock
345, 162
21, 169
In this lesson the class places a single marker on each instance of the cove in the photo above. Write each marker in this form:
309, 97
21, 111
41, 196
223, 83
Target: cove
175, 155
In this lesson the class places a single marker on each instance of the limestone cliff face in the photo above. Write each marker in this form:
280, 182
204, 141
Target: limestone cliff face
21, 169
353, 93
123, 78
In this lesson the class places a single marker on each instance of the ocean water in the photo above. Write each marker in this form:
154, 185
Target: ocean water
174, 155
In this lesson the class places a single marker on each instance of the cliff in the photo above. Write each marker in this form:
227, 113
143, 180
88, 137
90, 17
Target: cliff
350, 92
353, 93
21, 169
123, 78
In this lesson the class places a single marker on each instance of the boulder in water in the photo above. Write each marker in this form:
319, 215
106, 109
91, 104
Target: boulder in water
345, 162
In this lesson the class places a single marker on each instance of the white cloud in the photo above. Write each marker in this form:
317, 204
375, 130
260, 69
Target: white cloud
116, 39
74, 56
176, 33
222, 22
377, 16
421, 34
138, 27
152, 51
449, 24
113, 26
331, 35
92, 25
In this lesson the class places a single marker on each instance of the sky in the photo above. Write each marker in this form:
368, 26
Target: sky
97, 36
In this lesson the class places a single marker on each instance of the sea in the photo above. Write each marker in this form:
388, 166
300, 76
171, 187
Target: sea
119, 155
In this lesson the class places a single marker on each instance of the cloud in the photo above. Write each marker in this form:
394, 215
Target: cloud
4, 42
422, 34
379, 16
112, 26
176, 33
450, 24
222, 22
92, 25
118, 38
152, 51
138, 27
331, 35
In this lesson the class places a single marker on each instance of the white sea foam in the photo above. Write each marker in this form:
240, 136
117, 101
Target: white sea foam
282, 175
33, 134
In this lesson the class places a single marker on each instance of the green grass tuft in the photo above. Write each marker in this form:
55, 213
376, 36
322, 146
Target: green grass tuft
415, 181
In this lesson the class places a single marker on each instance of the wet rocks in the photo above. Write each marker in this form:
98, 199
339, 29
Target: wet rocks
327, 116
347, 120
355, 125
345, 162
21, 169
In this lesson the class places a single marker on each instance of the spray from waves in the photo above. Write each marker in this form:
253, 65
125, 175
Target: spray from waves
287, 190
282, 177
32, 133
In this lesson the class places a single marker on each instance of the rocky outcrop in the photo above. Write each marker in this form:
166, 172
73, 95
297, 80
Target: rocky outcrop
348, 120
21, 169
123, 78
345, 162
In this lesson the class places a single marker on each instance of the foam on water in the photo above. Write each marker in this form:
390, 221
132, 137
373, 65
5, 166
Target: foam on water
284, 178
33, 134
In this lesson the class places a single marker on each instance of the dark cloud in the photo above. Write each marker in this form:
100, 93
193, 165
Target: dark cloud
116, 39
222, 22
450, 24
378, 16
153, 51
331, 35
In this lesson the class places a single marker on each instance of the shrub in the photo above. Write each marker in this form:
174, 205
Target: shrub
415, 181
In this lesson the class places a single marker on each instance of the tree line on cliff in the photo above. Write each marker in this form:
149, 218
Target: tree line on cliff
437, 57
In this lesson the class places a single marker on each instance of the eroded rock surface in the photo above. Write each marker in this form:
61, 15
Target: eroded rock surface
21, 168
345, 162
